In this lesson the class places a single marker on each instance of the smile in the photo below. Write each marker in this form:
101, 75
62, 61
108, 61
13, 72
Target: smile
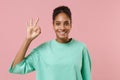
62, 32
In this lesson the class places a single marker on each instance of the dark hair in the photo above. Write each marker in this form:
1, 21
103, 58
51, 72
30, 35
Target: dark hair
62, 9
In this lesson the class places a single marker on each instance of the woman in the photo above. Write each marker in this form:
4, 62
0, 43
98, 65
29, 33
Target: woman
63, 58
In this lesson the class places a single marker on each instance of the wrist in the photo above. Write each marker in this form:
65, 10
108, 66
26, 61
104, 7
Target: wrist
28, 40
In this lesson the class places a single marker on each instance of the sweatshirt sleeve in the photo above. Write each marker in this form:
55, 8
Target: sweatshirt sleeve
25, 66
86, 65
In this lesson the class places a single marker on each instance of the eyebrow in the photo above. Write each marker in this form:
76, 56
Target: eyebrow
64, 21
57, 21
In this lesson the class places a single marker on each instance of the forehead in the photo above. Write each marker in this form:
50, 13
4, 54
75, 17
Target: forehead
62, 17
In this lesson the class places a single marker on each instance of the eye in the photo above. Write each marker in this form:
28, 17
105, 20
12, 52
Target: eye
57, 24
66, 23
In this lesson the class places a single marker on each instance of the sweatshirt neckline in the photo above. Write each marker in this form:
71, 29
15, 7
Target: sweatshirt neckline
67, 43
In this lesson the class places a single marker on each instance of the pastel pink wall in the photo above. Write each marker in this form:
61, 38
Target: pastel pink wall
95, 22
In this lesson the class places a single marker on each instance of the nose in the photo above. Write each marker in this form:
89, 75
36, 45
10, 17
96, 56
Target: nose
62, 27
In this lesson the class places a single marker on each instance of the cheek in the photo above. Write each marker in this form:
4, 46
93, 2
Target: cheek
54, 27
69, 28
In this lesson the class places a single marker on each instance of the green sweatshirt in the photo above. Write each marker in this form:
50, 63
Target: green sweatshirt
57, 61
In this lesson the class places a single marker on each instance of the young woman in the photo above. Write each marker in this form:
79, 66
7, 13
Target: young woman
62, 58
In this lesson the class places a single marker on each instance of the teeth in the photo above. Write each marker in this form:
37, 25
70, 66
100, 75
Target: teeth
62, 32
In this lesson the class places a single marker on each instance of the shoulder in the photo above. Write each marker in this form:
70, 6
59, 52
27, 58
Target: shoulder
42, 46
80, 43
39, 49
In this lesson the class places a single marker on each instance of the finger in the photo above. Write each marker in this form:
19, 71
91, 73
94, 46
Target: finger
38, 31
36, 28
31, 22
36, 22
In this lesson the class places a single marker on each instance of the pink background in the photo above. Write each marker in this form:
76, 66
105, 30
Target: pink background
95, 22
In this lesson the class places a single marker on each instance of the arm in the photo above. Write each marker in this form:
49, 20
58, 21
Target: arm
21, 53
33, 30
86, 65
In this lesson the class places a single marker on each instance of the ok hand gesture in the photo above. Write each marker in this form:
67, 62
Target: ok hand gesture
33, 30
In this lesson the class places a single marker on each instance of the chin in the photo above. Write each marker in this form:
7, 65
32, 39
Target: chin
62, 38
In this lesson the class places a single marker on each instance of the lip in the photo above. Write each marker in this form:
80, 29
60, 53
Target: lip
62, 32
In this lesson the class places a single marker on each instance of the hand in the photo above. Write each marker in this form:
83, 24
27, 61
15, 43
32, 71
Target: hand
33, 30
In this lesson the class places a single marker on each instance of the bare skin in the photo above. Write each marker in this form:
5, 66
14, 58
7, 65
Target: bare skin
61, 25
33, 30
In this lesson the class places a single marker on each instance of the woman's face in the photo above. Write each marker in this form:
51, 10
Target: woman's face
62, 26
